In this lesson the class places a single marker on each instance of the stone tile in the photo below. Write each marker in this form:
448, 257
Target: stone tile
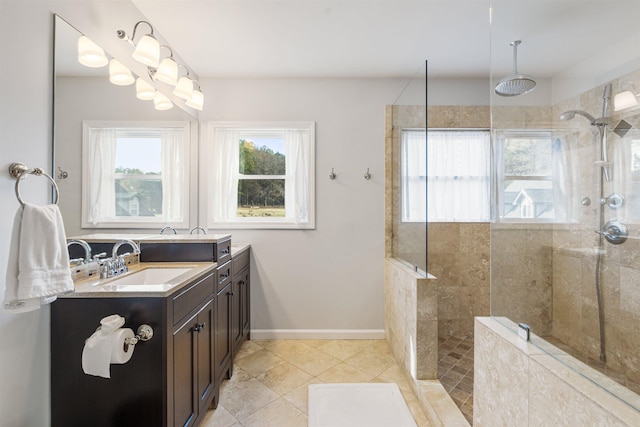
259, 362
315, 362
344, 373
284, 378
279, 413
343, 349
219, 417
287, 349
247, 348
299, 397
244, 398
373, 363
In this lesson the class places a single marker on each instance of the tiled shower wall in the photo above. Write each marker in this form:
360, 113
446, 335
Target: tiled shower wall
575, 312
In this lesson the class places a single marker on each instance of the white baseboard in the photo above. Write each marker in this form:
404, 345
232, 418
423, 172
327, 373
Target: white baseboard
317, 334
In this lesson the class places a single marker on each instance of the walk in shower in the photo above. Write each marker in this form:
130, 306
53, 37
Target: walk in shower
565, 234
560, 249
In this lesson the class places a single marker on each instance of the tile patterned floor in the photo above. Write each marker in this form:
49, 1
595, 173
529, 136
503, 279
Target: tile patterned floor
455, 371
270, 379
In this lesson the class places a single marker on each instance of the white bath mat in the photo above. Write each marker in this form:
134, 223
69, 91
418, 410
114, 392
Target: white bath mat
358, 405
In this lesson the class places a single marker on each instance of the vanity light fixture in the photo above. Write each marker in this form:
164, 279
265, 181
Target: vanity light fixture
624, 100
119, 74
147, 50
167, 71
144, 90
197, 99
184, 88
90, 54
161, 102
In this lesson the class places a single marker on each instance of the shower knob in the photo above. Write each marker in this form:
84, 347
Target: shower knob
615, 232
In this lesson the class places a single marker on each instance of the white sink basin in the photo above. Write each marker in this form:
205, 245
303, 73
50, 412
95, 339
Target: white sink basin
150, 276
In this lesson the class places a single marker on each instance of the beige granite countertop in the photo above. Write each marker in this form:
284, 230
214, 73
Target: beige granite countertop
109, 288
238, 248
152, 238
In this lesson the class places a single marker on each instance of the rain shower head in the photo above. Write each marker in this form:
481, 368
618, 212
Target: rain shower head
515, 84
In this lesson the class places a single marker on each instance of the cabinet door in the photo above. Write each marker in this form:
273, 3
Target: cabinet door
185, 403
222, 347
205, 337
192, 366
236, 312
245, 301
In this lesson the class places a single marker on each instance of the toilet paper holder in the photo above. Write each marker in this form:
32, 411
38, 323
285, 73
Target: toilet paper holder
144, 333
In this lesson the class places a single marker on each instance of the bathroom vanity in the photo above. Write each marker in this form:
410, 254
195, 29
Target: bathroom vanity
199, 315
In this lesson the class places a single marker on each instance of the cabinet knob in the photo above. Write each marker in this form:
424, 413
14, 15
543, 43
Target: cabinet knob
230, 293
241, 282
198, 327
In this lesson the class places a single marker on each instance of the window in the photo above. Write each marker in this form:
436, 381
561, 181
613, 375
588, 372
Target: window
449, 174
532, 175
261, 175
135, 174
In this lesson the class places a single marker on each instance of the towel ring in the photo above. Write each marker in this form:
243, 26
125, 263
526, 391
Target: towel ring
19, 171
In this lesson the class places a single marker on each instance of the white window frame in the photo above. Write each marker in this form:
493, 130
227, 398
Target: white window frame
211, 188
182, 220
499, 137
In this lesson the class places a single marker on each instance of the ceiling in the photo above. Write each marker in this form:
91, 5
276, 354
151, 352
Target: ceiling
386, 38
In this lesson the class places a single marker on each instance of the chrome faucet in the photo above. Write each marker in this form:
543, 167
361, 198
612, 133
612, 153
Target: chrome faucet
85, 246
168, 228
116, 246
196, 229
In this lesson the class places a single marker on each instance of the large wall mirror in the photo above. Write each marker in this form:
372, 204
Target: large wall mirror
138, 195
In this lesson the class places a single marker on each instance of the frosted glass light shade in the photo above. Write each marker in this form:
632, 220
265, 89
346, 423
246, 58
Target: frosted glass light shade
119, 74
90, 54
161, 102
167, 72
184, 88
144, 90
147, 51
624, 100
196, 101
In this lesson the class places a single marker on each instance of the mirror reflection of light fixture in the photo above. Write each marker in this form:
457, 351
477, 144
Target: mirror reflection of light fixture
161, 102
147, 49
167, 71
197, 99
184, 88
119, 74
90, 54
144, 90
625, 100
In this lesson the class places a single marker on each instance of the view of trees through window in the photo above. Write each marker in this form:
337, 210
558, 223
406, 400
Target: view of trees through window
138, 180
261, 185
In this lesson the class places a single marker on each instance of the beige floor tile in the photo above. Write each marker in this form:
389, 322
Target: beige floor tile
373, 363
244, 398
284, 378
314, 362
278, 413
343, 349
259, 362
219, 417
299, 397
344, 373
288, 349
246, 349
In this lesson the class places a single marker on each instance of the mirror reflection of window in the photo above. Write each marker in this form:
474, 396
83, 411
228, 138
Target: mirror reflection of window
135, 174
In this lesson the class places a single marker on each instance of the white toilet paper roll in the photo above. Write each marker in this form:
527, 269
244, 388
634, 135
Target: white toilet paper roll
118, 353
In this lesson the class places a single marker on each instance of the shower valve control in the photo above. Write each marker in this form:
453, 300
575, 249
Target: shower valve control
615, 232
615, 201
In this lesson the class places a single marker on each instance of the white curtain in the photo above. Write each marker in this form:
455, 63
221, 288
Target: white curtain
457, 176
414, 176
174, 175
297, 180
223, 174
102, 195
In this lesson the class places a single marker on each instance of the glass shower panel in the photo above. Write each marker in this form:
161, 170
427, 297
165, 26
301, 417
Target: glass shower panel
406, 159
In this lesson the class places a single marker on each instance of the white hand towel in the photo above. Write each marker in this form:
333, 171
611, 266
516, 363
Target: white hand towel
43, 266
14, 303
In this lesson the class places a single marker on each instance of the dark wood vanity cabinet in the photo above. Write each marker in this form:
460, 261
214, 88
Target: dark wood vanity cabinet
172, 379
